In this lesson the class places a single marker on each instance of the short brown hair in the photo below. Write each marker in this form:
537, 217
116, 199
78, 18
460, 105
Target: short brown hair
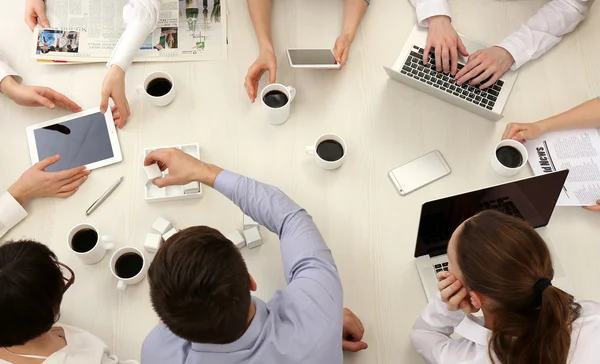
200, 286
503, 258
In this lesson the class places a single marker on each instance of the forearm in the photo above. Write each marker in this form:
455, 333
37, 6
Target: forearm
426, 9
354, 10
260, 13
586, 115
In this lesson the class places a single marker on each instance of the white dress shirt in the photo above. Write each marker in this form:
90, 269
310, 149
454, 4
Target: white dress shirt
431, 336
6, 70
11, 213
535, 37
141, 17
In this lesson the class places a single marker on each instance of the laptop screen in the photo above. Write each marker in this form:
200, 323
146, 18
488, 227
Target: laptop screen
532, 199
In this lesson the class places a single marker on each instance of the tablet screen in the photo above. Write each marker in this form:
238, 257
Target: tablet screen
79, 142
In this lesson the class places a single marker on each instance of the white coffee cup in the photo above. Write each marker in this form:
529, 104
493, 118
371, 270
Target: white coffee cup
325, 164
163, 100
95, 254
124, 282
278, 115
501, 168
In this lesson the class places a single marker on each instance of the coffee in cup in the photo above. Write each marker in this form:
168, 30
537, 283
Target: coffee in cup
85, 242
128, 265
329, 151
509, 157
276, 100
159, 88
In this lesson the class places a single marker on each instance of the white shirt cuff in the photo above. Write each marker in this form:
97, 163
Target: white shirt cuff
11, 212
129, 44
519, 54
6, 70
427, 9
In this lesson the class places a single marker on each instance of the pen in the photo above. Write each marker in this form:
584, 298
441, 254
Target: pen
103, 197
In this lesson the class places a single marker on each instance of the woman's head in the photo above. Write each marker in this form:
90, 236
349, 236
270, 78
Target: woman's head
499, 259
31, 290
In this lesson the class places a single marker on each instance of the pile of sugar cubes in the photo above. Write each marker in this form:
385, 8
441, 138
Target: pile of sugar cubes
251, 236
162, 231
153, 172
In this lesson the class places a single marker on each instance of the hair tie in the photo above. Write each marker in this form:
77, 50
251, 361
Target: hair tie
540, 286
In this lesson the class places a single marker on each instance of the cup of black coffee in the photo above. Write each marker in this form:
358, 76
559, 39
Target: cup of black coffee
159, 88
509, 157
329, 151
85, 242
276, 100
128, 265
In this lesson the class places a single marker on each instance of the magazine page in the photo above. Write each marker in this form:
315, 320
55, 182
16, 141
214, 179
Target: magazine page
88, 31
575, 150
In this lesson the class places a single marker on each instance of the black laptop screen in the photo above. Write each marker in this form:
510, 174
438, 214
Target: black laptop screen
532, 199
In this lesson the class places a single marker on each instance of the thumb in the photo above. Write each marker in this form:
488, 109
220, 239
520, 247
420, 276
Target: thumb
104, 102
43, 164
168, 180
354, 346
43, 19
522, 135
272, 73
462, 49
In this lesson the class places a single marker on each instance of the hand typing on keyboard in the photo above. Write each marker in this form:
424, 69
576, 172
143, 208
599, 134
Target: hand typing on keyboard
443, 38
485, 64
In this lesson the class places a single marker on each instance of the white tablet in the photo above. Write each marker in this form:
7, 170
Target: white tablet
312, 58
87, 138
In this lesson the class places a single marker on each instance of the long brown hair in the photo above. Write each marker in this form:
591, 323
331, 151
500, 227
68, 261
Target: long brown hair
503, 258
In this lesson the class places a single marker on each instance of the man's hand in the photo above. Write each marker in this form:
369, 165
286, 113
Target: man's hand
114, 87
446, 42
593, 208
490, 63
35, 95
352, 333
36, 182
266, 61
341, 49
522, 132
35, 10
183, 168
454, 294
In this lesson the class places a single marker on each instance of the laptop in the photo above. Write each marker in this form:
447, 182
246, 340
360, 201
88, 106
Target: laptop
531, 199
410, 70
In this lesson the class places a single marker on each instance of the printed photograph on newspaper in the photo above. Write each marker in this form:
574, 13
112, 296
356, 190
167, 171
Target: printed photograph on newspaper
187, 30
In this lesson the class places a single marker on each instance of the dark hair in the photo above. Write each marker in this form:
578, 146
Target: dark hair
31, 290
503, 258
200, 286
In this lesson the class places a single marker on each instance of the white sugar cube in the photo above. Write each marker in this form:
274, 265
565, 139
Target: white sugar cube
161, 225
192, 187
152, 171
252, 237
236, 238
249, 223
152, 242
169, 233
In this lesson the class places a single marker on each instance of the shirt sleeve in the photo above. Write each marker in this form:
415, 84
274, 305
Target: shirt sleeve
6, 70
11, 213
428, 8
431, 332
545, 29
141, 17
307, 261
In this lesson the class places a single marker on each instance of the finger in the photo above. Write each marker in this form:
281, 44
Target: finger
113, 109
123, 110
43, 164
426, 53
69, 173
593, 208
462, 49
492, 80
66, 194
510, 131
457, 298
344, 57
337, 52
443, 284
438, 57
471, 63
272, 74
454, 60
42, 101
73, 185
61, 100
450, 291
353, 346
159, 155
41, 14
168, 180
104, 101
66, 181
484, 75
443, 275
446, 58
472, 73
31, 21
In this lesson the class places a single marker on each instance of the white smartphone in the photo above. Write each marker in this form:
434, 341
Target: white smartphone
419, 172
312, 58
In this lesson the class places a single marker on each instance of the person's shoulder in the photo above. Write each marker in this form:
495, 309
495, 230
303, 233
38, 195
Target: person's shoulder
161, 345
590, 309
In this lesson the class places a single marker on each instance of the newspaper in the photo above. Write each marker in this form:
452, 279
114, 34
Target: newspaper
575, 150
88, 31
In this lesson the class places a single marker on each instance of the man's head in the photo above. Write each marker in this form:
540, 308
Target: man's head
200, 286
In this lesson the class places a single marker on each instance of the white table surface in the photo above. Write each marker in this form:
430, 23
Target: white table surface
369, 227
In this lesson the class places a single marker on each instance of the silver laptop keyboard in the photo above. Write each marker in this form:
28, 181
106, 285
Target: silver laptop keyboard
442, 267
414, 68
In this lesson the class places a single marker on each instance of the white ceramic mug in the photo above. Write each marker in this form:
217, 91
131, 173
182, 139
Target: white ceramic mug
322, 162
501, 168
278, 115
163, 100
124, 282
94, 255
